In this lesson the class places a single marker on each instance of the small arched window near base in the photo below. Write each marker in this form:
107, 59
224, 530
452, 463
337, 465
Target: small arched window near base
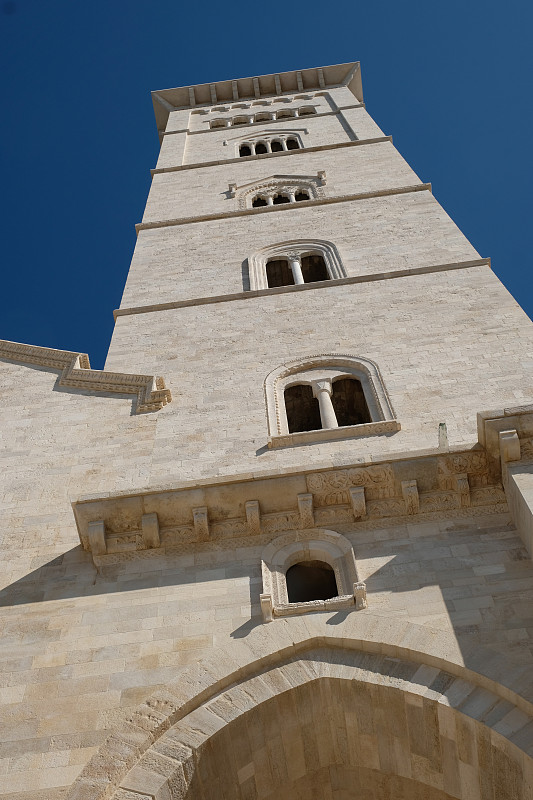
313, 570
327, 398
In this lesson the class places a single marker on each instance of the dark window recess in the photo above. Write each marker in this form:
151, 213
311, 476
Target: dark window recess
279, 273
299, 196
276, 147
280, 198
311, 580
260, 148
259, 202
244, 150
292, 144
349, 402
303, 412
314, 269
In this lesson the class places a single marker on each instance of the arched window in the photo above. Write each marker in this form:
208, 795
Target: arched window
279, 199
245, 150
260, 148
327, 397
349, 402
277, 142
299, 196
310, 261
292, 143
302, 409
258, 202
310, 580
276, 146
314, 269
279, 189
279, 273
314, 569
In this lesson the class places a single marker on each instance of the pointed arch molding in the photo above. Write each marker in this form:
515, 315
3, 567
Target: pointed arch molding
334, 365
313, 184
304, 247
155, 753
151, 392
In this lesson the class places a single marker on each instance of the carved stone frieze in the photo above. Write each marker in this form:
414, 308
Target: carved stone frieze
333, 488
151, 392
473, 464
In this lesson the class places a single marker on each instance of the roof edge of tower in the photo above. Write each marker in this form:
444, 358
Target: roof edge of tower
253, 88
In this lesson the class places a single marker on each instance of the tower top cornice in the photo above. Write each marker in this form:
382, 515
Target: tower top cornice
254, 88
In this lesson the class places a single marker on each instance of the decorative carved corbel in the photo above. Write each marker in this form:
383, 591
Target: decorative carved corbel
410, 495
305, 507
253, 516
201, 523
358, 501
463, 487
150, 530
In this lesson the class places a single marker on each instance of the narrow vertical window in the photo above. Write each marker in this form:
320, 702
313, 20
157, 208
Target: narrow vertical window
303, 411
279, 273
349, 402
314, 269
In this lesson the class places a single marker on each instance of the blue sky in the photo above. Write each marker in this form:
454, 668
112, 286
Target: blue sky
451, 82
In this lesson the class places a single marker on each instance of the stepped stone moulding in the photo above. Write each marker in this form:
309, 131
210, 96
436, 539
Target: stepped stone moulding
151, 391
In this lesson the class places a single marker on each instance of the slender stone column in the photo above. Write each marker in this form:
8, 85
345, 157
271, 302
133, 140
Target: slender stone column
291, 197
322, 390
296, 267
270, 201
283, 143
268, 147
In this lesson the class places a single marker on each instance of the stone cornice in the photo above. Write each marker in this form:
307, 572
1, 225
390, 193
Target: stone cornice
305, 287
244, 159
346, 198
151, 393
293, 82
456, 483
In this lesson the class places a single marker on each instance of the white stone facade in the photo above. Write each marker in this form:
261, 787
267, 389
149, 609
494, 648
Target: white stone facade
150, 511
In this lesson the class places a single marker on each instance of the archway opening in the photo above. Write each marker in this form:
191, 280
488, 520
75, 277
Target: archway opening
258, 202
279, 273
314, 269
276, 146
303, 411
279, 199
260, 148
349, 402
244, 150
292, 144
311, 580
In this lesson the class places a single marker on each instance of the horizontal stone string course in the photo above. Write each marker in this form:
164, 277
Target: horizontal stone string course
167, 223
151, 391
304, 287
283, 154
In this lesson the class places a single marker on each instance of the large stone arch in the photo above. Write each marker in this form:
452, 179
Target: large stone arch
382, 708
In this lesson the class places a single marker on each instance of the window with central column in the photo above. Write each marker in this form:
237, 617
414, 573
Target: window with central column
296, 269
327, 397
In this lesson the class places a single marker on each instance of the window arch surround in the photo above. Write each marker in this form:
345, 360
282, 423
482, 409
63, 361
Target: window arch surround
298, 248
291, 185
322, 370
313, 544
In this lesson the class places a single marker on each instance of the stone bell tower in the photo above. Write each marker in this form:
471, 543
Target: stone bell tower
297, 564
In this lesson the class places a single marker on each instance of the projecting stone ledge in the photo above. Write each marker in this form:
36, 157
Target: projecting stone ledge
151, 393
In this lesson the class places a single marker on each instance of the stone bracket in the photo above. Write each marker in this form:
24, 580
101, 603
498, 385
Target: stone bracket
305, 507
463, 488
359, 593
201, 522
410, 495
96, 535
253, 516
358, 501
150, 530
509, 446
266, 607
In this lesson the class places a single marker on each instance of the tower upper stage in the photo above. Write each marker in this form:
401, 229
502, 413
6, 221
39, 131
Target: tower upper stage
167, 100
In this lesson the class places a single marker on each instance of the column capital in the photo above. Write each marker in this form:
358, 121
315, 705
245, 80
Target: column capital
322, 386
